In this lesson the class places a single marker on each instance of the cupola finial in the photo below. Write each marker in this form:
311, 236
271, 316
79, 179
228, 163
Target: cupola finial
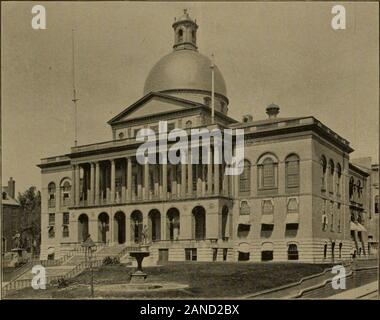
185, 32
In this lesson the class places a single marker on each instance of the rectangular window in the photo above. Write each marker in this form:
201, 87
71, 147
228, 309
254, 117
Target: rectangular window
66, 218
51, 232
267, 227
51, 201
339, 225
65, 232
291, 229
214, 254
225, 254
191, 254
51, 219
266, 255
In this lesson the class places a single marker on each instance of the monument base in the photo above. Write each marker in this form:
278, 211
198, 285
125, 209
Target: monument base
138, 277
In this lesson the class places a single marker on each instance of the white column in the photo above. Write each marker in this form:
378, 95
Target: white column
146, 180
164, 181
139, 169
97, 182
173, 179
129, 179
92, 183
112, 181
209, 172
189, 175
77, 183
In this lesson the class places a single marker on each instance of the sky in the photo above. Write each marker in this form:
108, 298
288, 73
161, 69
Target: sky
283, 53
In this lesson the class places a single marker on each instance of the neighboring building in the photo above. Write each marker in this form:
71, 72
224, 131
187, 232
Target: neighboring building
11, 216
371, 200
373, 222
292, 201
359, 184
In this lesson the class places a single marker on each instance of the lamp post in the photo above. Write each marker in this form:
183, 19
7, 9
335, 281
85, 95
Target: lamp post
88, 244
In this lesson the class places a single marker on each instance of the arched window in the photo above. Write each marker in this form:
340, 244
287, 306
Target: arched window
199, 223
323, 173
267, 172
292, 252
331, 176
173, 224
292, 171
377, 204
338, 177
180, 35
245, 179
65, 193
51, 195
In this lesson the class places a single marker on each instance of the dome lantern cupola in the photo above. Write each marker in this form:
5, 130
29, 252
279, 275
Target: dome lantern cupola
185, 72
185, 32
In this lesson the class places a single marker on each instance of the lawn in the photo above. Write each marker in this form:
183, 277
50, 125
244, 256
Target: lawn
205, 280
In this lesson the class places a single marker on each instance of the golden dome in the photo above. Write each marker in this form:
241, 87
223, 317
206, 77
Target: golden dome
184, 70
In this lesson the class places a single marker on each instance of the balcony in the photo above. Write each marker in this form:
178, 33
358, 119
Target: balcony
151, 198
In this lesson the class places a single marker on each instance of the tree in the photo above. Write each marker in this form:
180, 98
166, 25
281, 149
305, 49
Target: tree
30, 220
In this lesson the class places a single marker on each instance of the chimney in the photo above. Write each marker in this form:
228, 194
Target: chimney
272, 111
11, 187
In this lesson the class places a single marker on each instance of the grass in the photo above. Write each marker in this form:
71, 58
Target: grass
205, 280
7, 273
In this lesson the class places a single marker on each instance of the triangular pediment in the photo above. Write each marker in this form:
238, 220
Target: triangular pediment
153, 104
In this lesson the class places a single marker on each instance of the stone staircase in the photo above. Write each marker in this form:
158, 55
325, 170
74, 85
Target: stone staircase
67, 267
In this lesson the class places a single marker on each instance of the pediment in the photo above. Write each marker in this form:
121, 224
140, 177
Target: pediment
152, 104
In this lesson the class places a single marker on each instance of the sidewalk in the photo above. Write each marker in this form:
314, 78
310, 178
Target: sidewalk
368, 291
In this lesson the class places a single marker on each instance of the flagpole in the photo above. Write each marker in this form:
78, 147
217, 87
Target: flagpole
212, 90
75, 99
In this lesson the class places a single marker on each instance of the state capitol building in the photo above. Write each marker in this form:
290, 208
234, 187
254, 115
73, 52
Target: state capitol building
299, 196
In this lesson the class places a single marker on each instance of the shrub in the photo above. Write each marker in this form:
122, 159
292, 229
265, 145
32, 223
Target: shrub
61, 283
109, 261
